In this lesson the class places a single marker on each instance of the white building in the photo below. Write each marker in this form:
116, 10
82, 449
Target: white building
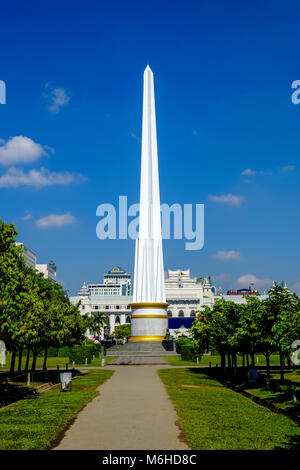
48, 270
184, 294
29, 255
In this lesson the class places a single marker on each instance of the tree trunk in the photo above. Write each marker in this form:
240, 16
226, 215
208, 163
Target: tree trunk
281, 368
45, 359
33, 361
229, 360
12, 363
27, 360
268, 364
243, 360
233, 359
223, 361
247, 360
20, 360
252, 359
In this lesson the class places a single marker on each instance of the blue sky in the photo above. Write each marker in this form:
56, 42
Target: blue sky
70, 130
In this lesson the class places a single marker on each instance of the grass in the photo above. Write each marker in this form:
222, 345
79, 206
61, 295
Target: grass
53, 362
205, 360
33, 424
279, 395
214, 417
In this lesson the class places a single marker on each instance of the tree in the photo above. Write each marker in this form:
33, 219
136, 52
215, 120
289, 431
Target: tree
16, 295
216, 327
122, 331
96, 323
285, 308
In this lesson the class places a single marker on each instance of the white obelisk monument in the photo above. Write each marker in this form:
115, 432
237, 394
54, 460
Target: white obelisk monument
149, 319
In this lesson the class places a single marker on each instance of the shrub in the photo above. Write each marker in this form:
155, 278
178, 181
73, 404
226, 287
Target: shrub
180, 342
79, 354
64, 351
188, 352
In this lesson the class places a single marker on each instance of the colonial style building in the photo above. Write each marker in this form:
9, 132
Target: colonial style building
185, 296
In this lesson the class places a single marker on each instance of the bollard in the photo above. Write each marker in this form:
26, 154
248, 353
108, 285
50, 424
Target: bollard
57, 367
216, 365
103, 361
93, 357
28, 378
73, 364
86, 361
197, 360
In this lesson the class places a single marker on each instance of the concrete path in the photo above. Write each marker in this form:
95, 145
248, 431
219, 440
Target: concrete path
132, 412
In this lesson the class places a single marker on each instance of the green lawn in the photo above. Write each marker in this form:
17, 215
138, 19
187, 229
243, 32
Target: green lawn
216, 418
205, 360
33, 424
55, 361
280, 395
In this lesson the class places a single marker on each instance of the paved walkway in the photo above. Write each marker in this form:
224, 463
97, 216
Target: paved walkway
132, 412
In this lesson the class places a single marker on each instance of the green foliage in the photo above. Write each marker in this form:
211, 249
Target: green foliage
122, 331
255, 327
80, 353
180, 342
96, 323
188, 352
35, 313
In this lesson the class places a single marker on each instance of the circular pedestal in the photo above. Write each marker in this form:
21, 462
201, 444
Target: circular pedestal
149, 321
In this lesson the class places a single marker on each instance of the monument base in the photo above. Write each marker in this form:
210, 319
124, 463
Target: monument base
149, 321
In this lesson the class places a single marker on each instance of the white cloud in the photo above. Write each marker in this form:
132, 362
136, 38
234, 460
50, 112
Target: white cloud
288, 168
229, 199
227, 255
56, 98
247, 279
248, 171
55, 220
27, 216
37, 178
20, 149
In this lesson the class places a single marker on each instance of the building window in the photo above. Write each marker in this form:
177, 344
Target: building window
117, 320
169, 313
117, 307
107, 307
128, 319
181, 313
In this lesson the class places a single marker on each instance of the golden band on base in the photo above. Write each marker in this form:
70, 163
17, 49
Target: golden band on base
146, 338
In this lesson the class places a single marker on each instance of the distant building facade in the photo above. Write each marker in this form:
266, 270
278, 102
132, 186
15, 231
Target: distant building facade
48, 270
184, 294
29, 255
240, 296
